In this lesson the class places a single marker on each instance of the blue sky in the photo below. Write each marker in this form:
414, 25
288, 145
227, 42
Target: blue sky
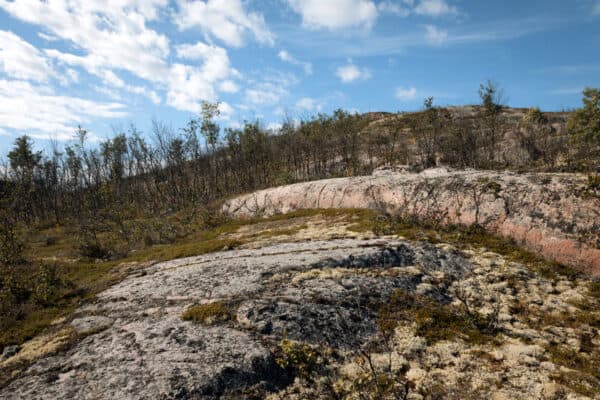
105, 64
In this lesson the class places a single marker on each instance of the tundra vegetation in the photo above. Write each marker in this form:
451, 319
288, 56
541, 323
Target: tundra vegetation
68, 218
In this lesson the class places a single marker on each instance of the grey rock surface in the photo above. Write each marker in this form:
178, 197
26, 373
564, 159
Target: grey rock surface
135, 345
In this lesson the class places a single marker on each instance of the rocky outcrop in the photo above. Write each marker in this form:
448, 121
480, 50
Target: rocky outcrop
554, 215
133, 344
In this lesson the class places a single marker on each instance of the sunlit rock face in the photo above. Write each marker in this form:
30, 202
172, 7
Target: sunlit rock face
554, 215
133, 344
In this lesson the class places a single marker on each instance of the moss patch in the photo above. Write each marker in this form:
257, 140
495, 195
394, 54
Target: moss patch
435, 321
583, 374
210, 313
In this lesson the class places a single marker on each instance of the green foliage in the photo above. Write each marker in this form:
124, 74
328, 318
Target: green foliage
298, 358
534, 116
584, 124
46, 284
209, 313
23, 160
11, 245
491, 96
209, 129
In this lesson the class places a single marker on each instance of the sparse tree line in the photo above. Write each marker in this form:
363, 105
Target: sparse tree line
170, 170
120, 194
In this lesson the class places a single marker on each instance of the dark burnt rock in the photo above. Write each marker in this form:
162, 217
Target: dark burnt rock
341, 312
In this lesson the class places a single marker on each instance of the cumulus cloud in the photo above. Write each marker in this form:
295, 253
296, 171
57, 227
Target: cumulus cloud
113, 38
308, 104
226, 20
435, 36
401, 8
406, 94
189, 85
351, 73
110, 35
435, 8
335, 14
229, 86
19, 59
429, 8
265, 93
288, 58
268, 91
40, 112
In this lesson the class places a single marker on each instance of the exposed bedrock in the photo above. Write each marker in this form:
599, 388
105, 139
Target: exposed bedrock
134, 344
554, 215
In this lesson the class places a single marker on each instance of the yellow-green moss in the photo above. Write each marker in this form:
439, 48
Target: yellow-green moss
210, 313
297, 357
434, 321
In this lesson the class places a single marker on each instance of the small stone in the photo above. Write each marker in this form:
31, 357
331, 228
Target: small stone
424, 288
497, 355
552, 391
91, 324
10, 351
416, 375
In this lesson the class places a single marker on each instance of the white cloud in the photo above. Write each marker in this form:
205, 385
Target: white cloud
108, 35
597, 8
19, 59
113, 36
434, 8
229, 86
307, 104
268, 91
226, 111
274, 126
429, 8
110, 78
435, 36
351, 73
406, 94
401, 8
288, 58
335, 14
39, 112
46, 37
189, 85
227, 20
215, 60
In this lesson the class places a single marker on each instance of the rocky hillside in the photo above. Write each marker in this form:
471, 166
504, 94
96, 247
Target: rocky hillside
555, 215
342, 304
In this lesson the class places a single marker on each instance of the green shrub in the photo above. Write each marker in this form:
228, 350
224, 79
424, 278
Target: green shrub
297, 358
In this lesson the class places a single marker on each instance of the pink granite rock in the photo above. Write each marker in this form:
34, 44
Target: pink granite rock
554, 215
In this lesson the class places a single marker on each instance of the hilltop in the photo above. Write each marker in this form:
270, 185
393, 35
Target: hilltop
414, 255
